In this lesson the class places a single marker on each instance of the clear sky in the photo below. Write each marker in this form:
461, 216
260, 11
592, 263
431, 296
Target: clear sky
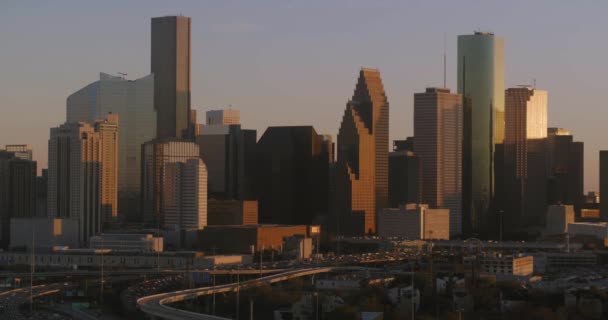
296, 62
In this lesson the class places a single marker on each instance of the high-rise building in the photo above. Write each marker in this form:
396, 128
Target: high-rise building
17, 190
404, 181
21, 151
170, 64
565, 159
41, 193
82, 174
524, 167
438, 136
604, 185
291, 176
227, 151
160, 177
184, 204
361, 172
133, 102
481, 83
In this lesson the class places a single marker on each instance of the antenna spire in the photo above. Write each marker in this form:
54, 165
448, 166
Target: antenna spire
444, 61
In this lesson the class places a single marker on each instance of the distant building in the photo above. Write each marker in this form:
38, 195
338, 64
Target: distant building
415, 221
590, 214
566, 168
525, 171
481, 82
82, 174
604, 184
45, 233
232, 212
133, 102
228, 152
17, 191
558, 218
509, 265
21, 151
597, 230
170, 64
41, 193
292, 175
404, 181
439, 133
127, 242
164, 165
245, 238
361, 171
404, 145
298, 247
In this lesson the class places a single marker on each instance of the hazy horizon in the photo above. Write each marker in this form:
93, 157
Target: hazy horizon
297, 62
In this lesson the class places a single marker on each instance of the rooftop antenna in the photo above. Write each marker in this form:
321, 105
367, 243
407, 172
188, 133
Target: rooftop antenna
444, 60
123, 75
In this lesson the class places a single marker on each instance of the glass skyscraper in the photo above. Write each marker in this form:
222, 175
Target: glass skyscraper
481, 83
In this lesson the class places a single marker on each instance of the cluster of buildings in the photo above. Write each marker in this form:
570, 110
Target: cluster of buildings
132, 157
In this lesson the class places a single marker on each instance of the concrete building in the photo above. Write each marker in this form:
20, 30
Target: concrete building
83, 172
21, 151
298, 247
17, 190
525, 170
241, 239
404, 181
361, 171
133, 102
46, 233
174, 185
438, 135
232, 212
292, 175
170, 64
480, 80
604, 185
228, 152
509, 265
414, 221
558, 219
127, 242
597, 230
565, 159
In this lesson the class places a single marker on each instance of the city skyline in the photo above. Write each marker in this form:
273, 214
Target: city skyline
414, 60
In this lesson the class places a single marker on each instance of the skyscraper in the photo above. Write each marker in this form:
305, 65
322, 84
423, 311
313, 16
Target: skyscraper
438, 136
291, 176
185, 195
17, 190
170, 64
525, 171
161, 177
227, 151
82, 174
21, 151
566, 170
361, 180
481, 83
132, 101
604, 185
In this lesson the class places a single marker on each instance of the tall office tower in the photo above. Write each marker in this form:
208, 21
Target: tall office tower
170, 64
21, 151
404, 181
41, 192
158, 160
604, 185
525, 172
404, 145
481, 83
17, 190
185, 195
133, 102
438, 135
82, 174
565, 161
291, 177
362, 166
227, 151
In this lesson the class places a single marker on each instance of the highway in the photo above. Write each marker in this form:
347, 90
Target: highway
137, 272
157, 307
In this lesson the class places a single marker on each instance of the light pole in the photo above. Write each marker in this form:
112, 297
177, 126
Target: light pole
32, 270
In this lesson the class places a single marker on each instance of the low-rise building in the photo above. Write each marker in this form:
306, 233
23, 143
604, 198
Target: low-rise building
414, 221
510, 265
232, 212
558, 218
44, 233
598, 230
127, 242
298, 247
